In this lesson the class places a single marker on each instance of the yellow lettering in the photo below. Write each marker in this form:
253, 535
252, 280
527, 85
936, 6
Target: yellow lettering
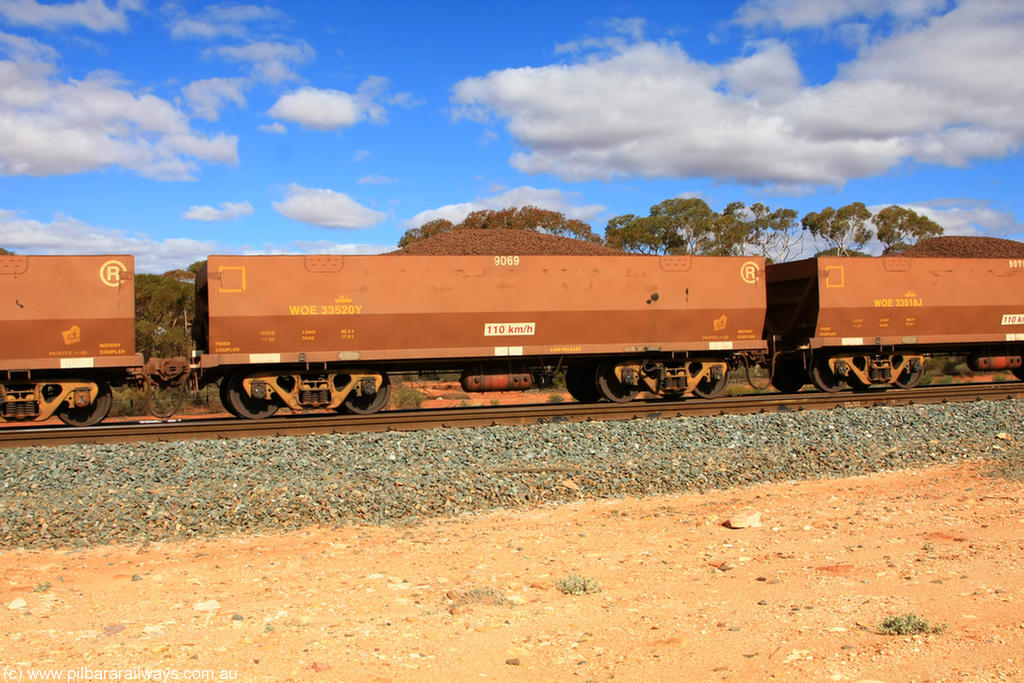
325, 309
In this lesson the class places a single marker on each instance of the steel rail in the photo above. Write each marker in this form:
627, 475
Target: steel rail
409, 420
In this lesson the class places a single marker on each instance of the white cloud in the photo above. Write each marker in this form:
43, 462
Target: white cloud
968, 217
319, 109
332, 109
207, 96
631, 26
219, 20
650, 109
323, 247
770, 75
51, 126
552, 200
376, 180
797, 14
275, 127
226, 212
22, 49
271, 62
91, 14
406, 100
326, 208
67, 235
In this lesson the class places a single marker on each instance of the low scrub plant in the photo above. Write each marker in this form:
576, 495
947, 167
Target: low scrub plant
908, 625
406, 398
575, 584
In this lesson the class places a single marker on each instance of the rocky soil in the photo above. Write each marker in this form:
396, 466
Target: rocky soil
734, 548
674, 593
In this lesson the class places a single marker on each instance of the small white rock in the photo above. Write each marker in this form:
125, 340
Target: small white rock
207, 606
744, 519
17, 603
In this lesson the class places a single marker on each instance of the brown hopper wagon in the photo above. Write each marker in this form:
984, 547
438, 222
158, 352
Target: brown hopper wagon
326, 331
861, 321
67, 334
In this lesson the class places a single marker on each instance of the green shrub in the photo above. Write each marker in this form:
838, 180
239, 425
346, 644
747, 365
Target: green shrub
908, 625
406, 398
575, 584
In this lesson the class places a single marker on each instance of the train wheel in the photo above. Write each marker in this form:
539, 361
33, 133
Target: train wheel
87, 416
368, 405
224, 400
822, 376
611, 388
909, 379
581, 383
709, 387
241, 404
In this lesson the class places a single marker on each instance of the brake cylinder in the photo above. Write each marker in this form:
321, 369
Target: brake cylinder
504, 381
986, 363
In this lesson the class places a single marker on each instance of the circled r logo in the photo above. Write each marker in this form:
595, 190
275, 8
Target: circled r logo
111, 273
749, 272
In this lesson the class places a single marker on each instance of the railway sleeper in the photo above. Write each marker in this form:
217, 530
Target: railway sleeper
77, 402
333, 390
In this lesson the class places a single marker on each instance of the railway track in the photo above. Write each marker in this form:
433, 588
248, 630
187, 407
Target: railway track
217, 428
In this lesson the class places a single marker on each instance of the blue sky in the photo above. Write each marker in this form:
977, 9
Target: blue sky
174, 130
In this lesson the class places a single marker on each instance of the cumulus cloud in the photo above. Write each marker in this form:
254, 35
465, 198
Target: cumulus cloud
207, 96
227, 211
219, 20
326, 208
650, 109
68, 235
270, 61
968, 217
552, 200
91, 14
324, 109
797, 14
52, 126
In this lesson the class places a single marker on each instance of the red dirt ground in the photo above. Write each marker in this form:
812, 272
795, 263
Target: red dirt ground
476, 598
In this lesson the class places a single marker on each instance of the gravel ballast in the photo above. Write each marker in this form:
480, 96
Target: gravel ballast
83, 495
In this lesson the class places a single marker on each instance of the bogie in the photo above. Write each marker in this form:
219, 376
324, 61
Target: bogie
257, 395
78, 402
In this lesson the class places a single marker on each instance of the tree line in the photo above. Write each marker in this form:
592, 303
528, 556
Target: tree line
690, 226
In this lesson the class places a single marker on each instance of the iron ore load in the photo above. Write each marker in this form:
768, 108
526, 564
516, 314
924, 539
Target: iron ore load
326, 331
